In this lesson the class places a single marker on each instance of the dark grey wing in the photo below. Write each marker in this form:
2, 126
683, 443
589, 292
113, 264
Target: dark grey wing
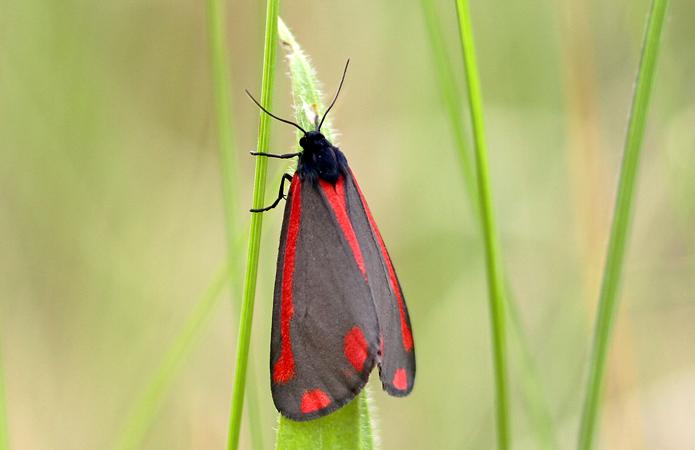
324, 338
396, 358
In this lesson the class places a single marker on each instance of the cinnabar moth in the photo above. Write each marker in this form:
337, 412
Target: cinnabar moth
338, 308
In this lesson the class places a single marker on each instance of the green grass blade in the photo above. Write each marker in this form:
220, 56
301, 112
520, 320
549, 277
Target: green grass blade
4, 429
148, 404
621, 223
249, 294
350, 427
531, 385
493, 259
219, 68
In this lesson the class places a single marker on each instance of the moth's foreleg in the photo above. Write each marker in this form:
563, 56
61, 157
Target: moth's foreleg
274, 155
281, 195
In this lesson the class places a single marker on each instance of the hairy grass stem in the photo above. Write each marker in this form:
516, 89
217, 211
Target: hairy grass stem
350, 427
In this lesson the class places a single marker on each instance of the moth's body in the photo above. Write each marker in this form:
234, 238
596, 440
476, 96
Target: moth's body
338, 308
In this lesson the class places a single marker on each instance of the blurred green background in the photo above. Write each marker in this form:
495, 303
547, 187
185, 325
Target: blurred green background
111, 218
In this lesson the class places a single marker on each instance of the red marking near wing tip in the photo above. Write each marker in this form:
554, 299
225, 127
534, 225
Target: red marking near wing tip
400, 379
336, 198
405, 329
355, 348
314, 400
283, 371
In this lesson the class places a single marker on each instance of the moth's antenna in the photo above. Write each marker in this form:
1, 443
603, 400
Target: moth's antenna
273, 115
336, 95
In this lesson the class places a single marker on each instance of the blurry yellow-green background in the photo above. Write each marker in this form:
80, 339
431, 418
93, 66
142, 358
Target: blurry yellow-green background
111, 216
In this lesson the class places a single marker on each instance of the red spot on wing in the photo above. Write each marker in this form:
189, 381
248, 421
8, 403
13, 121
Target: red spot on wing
335, 194
405, 329
283, 371
355, 348
314, 400
400, 379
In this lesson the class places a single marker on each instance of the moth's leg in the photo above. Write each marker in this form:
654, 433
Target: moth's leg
273, 155
281, 194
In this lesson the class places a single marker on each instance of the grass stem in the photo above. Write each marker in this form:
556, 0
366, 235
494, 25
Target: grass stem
446, 80
621, 222
493, 259
217, 28
249, 293
219, 68
531, 385
351, 426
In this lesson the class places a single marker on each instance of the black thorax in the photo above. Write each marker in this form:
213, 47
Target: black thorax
320, 159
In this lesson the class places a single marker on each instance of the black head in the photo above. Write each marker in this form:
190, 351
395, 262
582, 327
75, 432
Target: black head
313, 141
319, 159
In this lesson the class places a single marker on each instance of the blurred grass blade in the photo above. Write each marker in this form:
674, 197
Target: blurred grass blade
493, 259
531, 385
146, 407
217, 28
621, 222
4, 433
449, 94
219, 68
249, 294
350, 427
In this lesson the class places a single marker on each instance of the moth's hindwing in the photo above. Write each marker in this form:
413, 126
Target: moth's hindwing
396, 357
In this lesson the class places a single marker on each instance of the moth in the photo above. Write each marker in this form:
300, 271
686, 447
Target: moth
338, 307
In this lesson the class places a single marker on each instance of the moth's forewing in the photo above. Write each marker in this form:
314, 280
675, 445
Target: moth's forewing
324, 319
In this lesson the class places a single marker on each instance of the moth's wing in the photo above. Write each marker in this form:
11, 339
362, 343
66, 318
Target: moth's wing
396, 358
324, 339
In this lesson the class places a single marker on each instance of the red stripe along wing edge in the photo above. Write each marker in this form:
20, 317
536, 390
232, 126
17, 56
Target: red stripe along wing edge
396, 356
